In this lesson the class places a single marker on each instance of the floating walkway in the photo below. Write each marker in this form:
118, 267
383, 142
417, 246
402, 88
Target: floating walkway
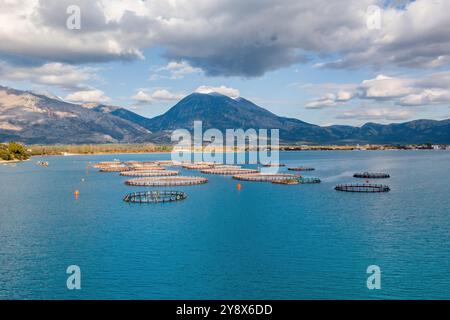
260, 177
369, 175
301, 169
367, 188
166, 181
228, 171
155, 196
149, 173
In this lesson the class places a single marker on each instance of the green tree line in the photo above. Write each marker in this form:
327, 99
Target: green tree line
13, 151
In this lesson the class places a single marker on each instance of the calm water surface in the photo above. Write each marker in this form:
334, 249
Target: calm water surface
263, 242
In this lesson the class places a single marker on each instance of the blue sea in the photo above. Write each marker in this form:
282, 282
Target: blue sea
264, 241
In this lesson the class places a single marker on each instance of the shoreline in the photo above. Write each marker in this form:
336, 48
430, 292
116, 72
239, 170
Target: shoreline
131, 149
97, 154
167, 152
13, 161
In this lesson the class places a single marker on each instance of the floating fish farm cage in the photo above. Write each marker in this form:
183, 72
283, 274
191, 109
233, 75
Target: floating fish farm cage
166, 181
166, 163
197, 166
155, 196
139, 163
114, 169
228, 171
274, 165
301, 169
149, 173
100, 165
226, 166
287, 181
367, 188
300, 180
116, 166
260, 177
371, 175
146, 167
308, 180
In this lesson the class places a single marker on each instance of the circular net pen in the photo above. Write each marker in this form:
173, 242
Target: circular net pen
301, 169
100, 165
139, 163
259, 177
149, 173
146, 167
114, 169
371, 175
226, 166
286, 182
166, 181
198, 166
228, 171
308, 180
364, 188
274, 165
155, 196
166, 163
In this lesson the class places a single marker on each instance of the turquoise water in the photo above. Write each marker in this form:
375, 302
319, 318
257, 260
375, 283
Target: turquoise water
264, 241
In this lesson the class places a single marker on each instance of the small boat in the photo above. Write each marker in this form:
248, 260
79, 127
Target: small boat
42, 163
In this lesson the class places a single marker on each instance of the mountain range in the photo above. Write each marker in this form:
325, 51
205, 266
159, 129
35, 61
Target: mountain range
41, 119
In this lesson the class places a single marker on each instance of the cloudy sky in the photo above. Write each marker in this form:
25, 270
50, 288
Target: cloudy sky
325, 62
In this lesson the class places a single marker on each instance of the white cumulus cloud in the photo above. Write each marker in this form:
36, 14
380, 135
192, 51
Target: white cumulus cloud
53, 74
144, 96
386, 87
226, 91
373, 113
88, 96
427, 97
174, 70
429, 89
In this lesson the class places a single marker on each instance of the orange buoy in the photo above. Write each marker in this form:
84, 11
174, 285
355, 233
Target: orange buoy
238, 186
76, 194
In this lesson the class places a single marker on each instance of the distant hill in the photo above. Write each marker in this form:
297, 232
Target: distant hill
221, 112
416, 131
37, 119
